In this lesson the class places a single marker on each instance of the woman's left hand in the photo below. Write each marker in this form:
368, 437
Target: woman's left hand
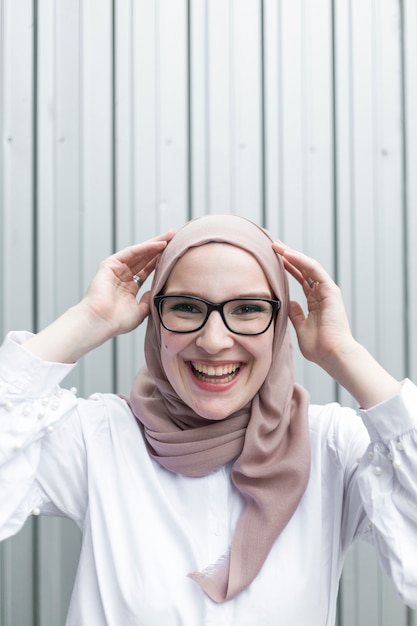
324, 333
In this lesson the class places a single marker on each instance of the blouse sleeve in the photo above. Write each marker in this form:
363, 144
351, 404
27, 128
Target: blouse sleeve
387, 485
33, 409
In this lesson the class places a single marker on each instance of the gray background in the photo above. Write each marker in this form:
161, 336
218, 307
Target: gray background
122, 118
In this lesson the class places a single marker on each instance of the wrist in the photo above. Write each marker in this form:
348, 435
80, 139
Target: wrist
72, 335
353, 367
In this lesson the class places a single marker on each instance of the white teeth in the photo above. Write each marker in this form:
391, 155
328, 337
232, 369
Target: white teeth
216, 374
219, 370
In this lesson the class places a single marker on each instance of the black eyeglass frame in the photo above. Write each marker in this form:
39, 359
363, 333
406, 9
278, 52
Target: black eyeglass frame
212, 306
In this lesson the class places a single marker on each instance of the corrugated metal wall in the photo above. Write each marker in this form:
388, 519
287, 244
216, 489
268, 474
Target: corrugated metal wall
120, 118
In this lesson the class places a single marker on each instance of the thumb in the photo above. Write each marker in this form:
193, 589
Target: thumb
144, 306
296, 314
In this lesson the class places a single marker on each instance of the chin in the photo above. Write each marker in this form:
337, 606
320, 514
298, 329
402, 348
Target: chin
214, 413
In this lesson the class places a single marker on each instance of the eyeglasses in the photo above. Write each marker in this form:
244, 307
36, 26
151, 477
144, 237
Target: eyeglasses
242, 316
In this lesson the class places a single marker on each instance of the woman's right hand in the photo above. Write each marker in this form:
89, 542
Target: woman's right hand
111, 297
110, 306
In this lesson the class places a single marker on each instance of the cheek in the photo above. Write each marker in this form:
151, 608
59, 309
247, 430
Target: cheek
171, 345
168, 343
263, 356
169, 362
166, 353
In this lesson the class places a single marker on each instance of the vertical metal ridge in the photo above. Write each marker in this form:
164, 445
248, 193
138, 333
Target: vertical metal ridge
113, 129
405, 199
114, 353
263, 118
335, 181
35, 138
280, 173
335, 145
2, 130
81, 161
207, 142
157, 96
189, 117
231, 109
36, 557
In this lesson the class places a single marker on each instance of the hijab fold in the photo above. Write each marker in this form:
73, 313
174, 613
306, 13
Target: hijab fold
267, 440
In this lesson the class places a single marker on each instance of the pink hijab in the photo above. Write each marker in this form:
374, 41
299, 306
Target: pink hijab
267, 440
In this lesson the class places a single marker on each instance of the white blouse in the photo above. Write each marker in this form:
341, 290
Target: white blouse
144, 528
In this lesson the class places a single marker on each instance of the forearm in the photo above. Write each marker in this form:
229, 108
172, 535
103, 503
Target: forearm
70, 336
361, 375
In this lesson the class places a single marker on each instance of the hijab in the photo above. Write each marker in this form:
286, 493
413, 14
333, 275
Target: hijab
267, 440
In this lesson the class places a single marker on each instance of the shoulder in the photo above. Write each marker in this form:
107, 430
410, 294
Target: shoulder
104, 411
338, 432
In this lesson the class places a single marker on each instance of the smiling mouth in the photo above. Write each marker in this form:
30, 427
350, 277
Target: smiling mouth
215, 374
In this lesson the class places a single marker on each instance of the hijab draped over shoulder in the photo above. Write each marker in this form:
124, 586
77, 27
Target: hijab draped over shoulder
267, 440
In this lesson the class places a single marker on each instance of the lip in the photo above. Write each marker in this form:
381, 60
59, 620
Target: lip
215, 376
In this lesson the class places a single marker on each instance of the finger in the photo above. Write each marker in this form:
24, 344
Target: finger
282, 250
140, 253
167, 236
141, 275
305, 281
133, 259
294, 271
145, 247
148, 253
302, 276
304, 268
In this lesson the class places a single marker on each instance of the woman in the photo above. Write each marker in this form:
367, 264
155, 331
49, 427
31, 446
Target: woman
214, 493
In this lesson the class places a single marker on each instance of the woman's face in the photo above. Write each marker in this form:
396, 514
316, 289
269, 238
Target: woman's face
217, 272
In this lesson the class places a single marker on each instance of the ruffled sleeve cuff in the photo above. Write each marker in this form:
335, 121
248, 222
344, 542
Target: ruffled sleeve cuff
24, 373
394, 417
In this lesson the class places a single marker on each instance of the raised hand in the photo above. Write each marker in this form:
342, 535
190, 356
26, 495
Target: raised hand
324, 334
112, 295
110, 306
325, 329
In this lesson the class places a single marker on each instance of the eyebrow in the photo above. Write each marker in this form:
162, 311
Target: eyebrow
244, 296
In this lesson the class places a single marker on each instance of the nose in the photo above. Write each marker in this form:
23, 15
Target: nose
214, 336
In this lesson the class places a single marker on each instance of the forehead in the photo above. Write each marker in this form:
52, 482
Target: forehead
221, 265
